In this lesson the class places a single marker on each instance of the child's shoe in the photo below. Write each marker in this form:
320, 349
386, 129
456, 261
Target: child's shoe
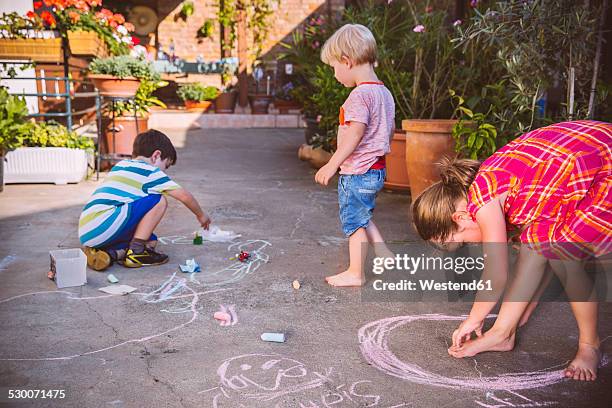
97, 259
147, 258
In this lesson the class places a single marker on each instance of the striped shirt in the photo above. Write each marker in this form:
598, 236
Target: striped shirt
107, 210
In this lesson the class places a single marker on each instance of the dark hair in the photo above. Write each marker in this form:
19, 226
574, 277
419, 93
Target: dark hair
432, 210
146, 143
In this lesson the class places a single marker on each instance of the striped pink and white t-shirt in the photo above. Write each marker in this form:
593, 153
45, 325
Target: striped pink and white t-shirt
372, 104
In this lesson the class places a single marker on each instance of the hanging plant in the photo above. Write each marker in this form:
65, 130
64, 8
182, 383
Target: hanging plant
186, 10
207, 29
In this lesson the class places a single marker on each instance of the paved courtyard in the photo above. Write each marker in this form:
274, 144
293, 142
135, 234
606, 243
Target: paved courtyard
161, 347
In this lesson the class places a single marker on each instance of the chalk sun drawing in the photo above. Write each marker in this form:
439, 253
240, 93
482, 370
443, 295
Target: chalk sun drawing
171, 289
374, 345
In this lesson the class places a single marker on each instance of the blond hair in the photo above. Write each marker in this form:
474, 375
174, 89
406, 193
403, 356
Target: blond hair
353, 41
432, 210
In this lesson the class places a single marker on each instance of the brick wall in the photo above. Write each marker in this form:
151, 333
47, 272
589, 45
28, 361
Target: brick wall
288, 16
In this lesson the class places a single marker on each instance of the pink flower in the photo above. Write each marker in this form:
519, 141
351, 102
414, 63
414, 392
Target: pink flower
474, 3
457, 22
428, 9
419, 29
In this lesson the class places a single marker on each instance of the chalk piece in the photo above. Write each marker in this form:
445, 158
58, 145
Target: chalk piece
273, 337
223, 317
112, 278
296, 284
117, 289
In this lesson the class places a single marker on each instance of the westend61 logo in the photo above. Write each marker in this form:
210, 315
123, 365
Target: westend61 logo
411, 264
397, 267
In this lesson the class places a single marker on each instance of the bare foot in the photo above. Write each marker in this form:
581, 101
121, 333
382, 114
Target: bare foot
527, 313
490, 341
584, 366
346, 278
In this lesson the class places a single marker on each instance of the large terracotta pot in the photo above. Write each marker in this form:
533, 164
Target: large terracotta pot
226, 102
427, 142
397, 176
201, 106
109, 85
122, 141
260, 103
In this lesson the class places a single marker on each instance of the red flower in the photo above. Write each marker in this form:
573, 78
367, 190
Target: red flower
31, 15
113, 23
135, 40
48, 18
48, 3
428, 9
37, 5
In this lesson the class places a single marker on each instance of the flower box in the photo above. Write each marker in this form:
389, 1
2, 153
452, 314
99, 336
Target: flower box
34, 49
87, 43
58, 165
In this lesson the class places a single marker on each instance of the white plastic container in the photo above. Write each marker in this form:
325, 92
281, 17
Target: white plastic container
58, 165
69, 267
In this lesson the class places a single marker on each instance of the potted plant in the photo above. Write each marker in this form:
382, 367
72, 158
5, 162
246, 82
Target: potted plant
13, 111
260, 102
119, 76
48, 153
284, 100
131, 117
228, 96
197, 96
34, 38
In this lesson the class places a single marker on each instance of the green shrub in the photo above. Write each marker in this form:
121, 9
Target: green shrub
124, 66
197, 92
13, 112
52, 134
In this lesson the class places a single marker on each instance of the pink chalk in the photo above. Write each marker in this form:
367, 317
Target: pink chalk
223, 317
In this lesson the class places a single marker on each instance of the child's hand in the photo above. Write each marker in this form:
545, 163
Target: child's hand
204, 220
325, 174
465, 329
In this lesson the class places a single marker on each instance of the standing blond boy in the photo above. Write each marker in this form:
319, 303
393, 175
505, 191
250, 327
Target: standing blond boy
366, 126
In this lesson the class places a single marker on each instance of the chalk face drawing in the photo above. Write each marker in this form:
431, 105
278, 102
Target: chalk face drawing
266, 378
179, 295
374, 344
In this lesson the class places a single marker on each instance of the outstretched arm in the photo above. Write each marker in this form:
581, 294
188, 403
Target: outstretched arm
492, 223
349, 137
190, 202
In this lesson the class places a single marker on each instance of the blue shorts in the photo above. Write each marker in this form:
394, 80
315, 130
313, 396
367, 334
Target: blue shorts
137, 210
357, 198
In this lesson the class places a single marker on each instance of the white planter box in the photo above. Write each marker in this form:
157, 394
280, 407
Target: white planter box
58, 165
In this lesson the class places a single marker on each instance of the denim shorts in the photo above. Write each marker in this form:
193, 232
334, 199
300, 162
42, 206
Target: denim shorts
357, 198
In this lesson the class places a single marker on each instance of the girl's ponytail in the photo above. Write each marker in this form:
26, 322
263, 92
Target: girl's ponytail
432, 210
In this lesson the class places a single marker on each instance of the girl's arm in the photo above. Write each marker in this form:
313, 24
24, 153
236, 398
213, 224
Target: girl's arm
347, 143
492, 223
190, 202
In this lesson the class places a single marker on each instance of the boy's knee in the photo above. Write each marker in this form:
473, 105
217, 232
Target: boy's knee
163, 201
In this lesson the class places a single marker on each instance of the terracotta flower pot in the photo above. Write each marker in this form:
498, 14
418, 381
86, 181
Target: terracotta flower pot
260, 103
202, 106
86, 43
397, 176
122, 141
109, 85
427, 142
226, 102
285, 106
316, 156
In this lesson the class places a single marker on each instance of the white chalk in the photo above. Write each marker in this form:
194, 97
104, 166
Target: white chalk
112, 278
273, 337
